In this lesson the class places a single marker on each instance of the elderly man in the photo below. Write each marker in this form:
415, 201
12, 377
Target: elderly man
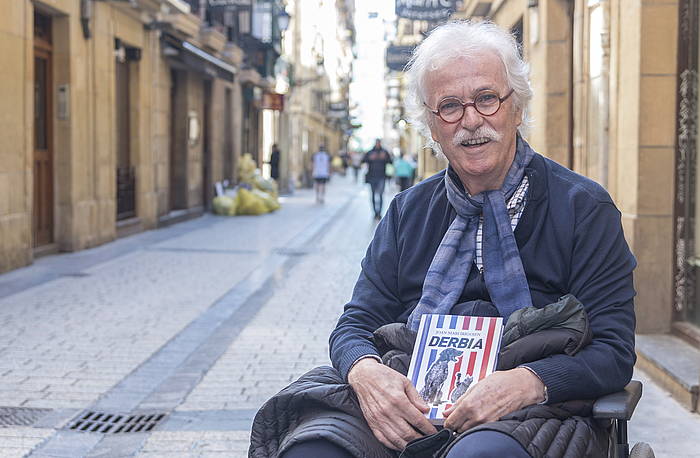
502, 224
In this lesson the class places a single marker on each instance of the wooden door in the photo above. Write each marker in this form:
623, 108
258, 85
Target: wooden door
42, 222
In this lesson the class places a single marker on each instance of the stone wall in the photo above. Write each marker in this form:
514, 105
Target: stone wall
85, 139
628, 145
16, 76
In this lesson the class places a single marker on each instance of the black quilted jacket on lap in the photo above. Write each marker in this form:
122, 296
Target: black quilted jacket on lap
320, 405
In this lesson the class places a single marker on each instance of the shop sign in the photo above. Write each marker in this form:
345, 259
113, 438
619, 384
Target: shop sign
425, 10
272, 101
337, 110
337, 114
230, 3
398, 56
337, 106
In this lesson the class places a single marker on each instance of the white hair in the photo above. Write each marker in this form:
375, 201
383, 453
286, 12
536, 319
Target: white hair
464, 38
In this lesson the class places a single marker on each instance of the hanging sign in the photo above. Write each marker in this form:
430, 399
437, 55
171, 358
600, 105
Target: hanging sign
397, 57
231, 3
272, 101
425, 10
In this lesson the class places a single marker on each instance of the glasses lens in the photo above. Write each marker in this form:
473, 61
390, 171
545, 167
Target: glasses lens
487, 103
450, 110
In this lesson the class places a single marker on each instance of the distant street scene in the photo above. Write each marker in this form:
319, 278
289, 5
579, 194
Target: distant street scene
225, 225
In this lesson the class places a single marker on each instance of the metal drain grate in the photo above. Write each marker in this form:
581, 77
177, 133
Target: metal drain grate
20, 416
116, 423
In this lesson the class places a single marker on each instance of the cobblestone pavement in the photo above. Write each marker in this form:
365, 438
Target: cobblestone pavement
202, 321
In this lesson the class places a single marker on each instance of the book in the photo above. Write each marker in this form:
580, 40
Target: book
451, 354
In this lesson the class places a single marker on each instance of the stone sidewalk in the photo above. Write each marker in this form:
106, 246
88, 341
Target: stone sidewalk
201, 322
111, 330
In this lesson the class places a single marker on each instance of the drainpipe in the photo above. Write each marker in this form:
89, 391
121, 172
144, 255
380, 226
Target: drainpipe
85, 15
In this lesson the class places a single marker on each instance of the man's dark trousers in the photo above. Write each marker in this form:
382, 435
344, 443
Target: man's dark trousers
377, 185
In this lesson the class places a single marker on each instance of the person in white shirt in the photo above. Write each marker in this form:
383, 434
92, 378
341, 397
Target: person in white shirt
321, 173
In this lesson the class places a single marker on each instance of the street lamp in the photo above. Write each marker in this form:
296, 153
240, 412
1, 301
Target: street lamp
283, 20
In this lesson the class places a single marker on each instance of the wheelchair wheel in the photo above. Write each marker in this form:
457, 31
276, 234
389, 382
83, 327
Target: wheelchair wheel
642, 450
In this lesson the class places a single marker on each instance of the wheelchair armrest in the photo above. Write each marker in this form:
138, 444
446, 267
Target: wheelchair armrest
619, 405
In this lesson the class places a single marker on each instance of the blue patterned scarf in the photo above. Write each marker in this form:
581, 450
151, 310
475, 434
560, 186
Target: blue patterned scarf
503, 270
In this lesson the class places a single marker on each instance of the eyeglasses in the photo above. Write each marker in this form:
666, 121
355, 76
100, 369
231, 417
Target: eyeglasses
486, 103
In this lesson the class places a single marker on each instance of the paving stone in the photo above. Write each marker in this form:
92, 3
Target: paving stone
168, 446
55, 403
70, 396
169, 455
19, 441
259, 373
23, 432
14, 452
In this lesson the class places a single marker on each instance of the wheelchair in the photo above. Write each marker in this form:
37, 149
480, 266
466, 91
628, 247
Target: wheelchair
617, 408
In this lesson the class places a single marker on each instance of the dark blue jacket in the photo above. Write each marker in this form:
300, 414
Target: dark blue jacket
571, 241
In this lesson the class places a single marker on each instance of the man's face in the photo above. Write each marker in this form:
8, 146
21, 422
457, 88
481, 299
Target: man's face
479, 148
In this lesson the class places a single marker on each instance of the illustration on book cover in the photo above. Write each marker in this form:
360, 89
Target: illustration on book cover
451, 354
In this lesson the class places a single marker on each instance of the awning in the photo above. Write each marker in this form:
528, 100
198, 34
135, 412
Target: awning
197, 59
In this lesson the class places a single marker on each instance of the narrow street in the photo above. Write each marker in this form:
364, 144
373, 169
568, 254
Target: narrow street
195, 326
202, 321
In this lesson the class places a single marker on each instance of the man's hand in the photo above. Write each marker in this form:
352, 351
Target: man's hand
498, 394
391, 405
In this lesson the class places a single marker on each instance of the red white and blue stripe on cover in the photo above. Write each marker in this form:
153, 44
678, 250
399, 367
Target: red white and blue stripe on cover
475, 363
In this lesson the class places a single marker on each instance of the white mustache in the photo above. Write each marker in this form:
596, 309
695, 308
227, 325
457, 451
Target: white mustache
482, 132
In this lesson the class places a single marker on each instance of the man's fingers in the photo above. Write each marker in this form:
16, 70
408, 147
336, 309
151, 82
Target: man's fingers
459, 418
382, 438
418, 421
393, 437
416, 398
391, 405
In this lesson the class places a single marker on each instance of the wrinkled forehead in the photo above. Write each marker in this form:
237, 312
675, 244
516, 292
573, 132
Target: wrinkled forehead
464, 75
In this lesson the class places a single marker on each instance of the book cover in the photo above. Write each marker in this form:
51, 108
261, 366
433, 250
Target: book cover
451, 354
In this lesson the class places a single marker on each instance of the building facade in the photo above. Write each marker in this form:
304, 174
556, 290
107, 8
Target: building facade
616, 99
317, 54
409, 33
120, 116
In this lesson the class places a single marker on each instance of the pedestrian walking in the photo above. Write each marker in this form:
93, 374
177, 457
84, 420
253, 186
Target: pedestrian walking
275, 162
404, 169
345, 157
321, 173
377, 159
356, 161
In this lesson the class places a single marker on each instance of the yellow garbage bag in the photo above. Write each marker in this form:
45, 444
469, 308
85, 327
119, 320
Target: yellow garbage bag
246, 168
267, 185
271, 201
224, 205
247, 203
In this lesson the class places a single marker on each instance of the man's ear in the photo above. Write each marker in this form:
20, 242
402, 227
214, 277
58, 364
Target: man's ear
520, 114
432, 132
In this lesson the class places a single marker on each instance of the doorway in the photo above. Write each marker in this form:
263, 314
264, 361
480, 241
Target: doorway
686, 290
178, 141
43, 214
207, 186
126, 178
